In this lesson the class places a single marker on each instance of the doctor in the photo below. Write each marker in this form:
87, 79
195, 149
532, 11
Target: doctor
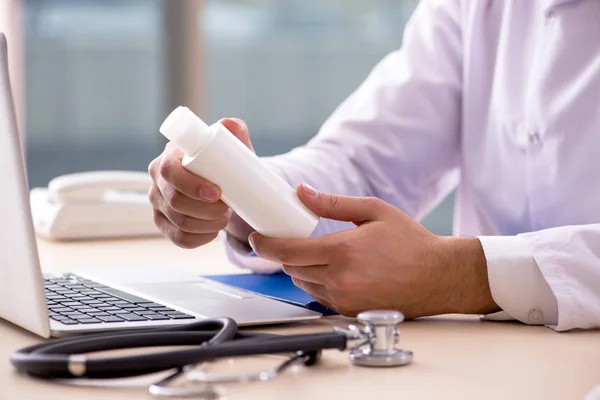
497, 99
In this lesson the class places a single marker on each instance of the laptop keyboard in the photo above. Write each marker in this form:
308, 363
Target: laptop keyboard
73, 300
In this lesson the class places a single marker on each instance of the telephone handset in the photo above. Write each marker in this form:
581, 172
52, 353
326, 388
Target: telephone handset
94, 205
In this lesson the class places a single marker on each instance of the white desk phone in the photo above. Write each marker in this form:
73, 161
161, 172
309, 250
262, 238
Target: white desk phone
94, 205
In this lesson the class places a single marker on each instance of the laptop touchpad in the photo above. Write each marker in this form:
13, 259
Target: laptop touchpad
183, 292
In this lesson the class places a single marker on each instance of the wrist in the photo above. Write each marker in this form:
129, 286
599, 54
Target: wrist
470, 289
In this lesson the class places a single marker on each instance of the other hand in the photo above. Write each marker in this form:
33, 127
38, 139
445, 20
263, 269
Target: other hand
389, 261
187, 208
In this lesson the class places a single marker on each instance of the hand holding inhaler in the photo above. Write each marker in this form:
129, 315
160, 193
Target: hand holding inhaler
220, 156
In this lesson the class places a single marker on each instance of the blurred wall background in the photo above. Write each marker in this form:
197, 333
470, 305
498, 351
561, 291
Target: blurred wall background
98, 73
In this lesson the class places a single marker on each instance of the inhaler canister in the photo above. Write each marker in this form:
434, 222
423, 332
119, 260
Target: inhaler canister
257, 194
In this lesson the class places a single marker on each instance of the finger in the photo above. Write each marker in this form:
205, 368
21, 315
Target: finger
169, 168
320, 294
194, 225
324, 302
301, 251
341, 208
180, 238
239, 129
314, 274
314, 289
185, 205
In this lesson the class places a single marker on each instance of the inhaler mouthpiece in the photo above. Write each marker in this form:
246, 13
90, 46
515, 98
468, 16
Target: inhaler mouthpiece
184, 129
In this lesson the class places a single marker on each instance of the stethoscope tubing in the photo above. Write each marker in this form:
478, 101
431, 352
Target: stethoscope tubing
216, 338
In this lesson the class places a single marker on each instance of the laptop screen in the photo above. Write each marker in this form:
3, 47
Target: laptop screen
22, 299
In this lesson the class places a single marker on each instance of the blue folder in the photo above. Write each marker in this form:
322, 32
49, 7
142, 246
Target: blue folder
277, 286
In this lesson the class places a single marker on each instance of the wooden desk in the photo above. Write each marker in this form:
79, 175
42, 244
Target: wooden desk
455, 357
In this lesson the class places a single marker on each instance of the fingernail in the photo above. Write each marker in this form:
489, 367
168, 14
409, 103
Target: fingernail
209, 194
237, 122
251, 242
309, 190
234, 120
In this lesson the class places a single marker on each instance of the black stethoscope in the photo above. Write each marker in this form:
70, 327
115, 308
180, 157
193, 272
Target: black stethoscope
216, 339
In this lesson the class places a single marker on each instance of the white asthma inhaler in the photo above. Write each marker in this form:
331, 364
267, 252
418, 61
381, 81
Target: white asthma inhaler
257, 194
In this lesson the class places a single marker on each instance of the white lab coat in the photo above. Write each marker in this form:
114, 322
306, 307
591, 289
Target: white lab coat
499, 99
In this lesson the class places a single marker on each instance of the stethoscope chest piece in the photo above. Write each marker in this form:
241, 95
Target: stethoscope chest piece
380, 336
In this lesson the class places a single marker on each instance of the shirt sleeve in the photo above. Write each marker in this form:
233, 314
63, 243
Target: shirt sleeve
549, 277
397, 136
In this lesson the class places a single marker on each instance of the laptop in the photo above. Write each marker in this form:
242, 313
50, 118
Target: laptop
101, 299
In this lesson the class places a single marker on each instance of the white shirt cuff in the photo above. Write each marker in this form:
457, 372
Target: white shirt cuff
516, 282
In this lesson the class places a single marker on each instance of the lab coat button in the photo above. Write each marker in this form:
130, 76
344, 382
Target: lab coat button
550, 16
535, 316
534, 138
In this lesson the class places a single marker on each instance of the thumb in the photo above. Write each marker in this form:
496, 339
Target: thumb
239, 130
341, 208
